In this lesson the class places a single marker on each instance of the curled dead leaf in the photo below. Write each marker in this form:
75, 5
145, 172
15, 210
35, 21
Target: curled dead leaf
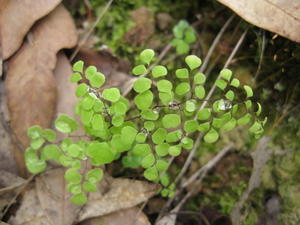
16, 19
9, 181
66, 98
278, 16
54, 198
7, 162
117, 194
9, 186
30, 85
47, 202
28, 213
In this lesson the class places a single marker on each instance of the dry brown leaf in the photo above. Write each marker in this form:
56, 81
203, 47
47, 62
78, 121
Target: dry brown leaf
47, 203
54, 198
163, 20
30, 212
17, 18
30, 85
1, 55
9, 186
66, 98
118, 194
9, 181
278, 16
131, 216
144, 29
7, 162
291, 7
169, 219
1, 63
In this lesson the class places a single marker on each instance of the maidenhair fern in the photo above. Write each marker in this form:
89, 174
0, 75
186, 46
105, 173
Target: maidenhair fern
184, 36
146, 130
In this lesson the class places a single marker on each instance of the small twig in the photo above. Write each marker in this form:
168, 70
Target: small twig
263, 46
201, 173
236, 48
287, 111
215, 43
77, 136
189, 158
171, 58
260, 157
133, 118
203, 170
204, 218
161, 55
216, 60
88, 34
199, 214
135, 220
284, 152
12, 201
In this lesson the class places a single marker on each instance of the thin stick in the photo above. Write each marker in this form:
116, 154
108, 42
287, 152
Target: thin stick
208, 166
16, 195
201, 173
88, 34
135, 220
3, 223
263, 46
215, 43
215, 61
233, 53
161, 55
